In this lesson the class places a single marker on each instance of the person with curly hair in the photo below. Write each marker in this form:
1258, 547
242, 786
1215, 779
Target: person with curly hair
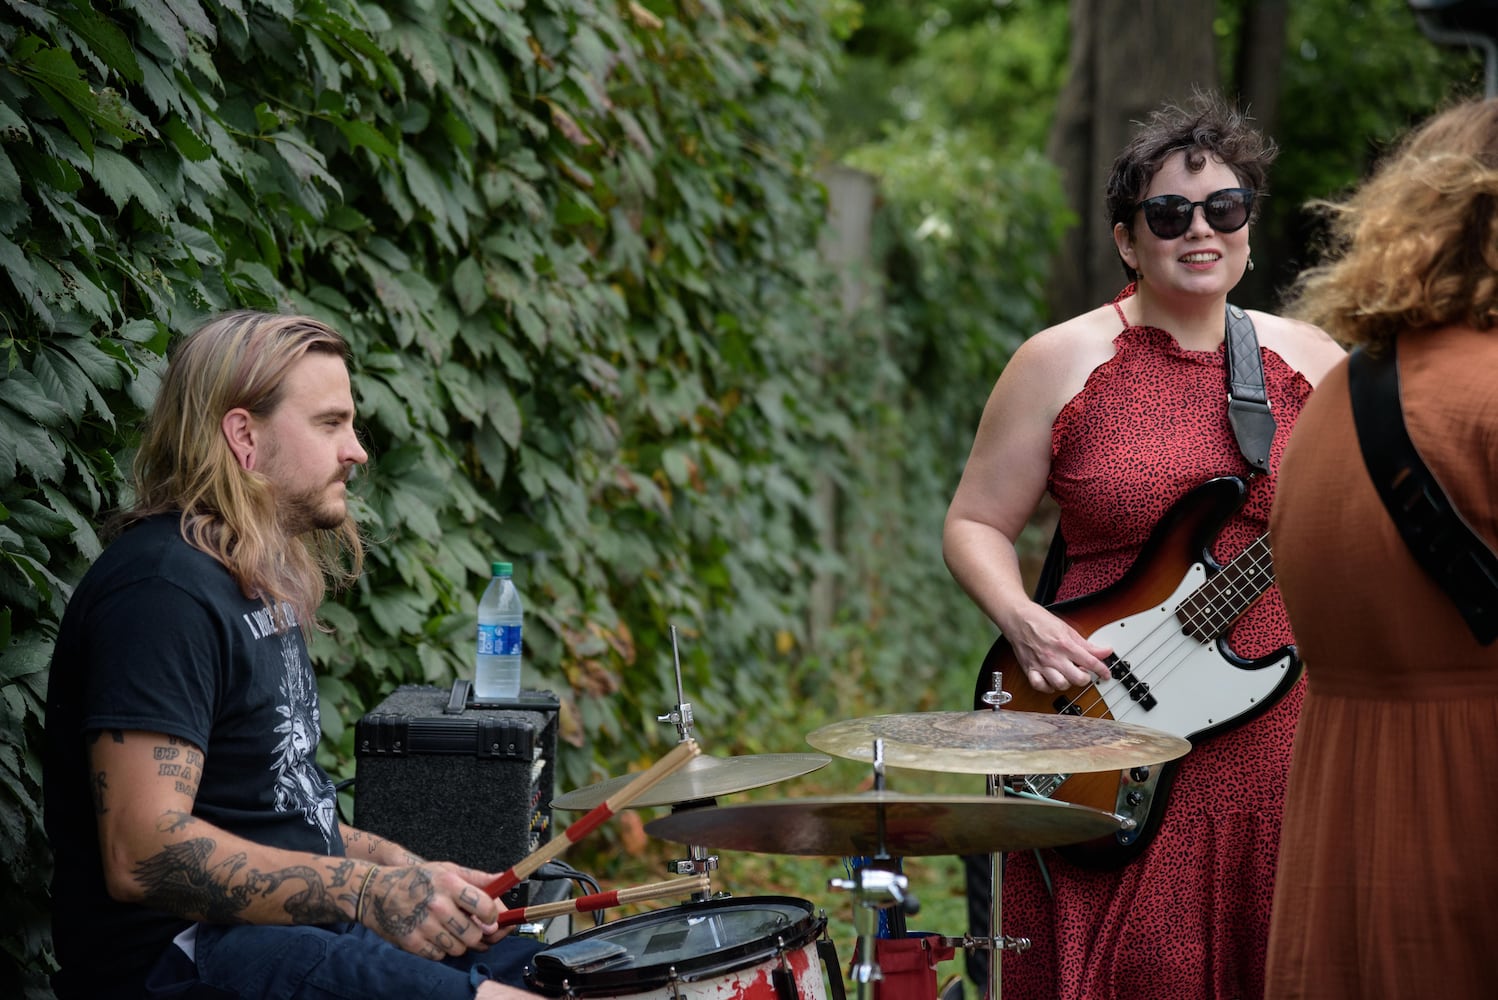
1386, 884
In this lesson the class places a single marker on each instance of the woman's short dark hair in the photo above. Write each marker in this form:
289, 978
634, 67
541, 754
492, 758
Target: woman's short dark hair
1206, 126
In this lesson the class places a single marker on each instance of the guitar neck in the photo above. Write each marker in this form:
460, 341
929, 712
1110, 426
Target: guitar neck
1215, 605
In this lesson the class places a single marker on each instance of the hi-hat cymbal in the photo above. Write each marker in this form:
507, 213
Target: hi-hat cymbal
999, 742
702, 777
904, 825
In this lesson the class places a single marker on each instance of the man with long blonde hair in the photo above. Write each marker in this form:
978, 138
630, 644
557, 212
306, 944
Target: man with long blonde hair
197, 843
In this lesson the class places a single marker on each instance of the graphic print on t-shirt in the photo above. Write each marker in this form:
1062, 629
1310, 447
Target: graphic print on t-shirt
301, 787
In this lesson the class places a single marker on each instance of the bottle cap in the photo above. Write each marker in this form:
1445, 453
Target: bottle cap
502, 569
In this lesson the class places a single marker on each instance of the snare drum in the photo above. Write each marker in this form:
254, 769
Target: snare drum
757, 948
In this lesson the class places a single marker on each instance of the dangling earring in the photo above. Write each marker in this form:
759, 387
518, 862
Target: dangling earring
1250, 262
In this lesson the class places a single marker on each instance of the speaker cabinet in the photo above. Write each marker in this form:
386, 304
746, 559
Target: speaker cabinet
457, 780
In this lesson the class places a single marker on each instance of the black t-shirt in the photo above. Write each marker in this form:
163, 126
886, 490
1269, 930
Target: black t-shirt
159, 638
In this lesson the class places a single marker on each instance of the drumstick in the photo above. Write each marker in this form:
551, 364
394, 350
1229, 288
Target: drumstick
603, 900
595, 817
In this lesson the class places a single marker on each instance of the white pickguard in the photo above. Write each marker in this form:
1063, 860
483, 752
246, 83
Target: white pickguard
1194, 687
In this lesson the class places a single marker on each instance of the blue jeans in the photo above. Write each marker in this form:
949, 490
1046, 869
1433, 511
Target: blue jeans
339, 962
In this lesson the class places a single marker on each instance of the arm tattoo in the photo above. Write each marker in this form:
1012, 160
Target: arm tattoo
181, 880
179, 761
313, 905
369, 845
98, 786
175, 821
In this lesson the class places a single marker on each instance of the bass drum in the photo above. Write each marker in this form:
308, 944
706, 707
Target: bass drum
758, 948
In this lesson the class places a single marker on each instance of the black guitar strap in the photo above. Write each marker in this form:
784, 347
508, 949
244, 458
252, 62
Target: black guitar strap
1248, 413
1456, 557
1248, 398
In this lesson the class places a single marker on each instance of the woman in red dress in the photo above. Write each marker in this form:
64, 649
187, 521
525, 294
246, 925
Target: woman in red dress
1118, 413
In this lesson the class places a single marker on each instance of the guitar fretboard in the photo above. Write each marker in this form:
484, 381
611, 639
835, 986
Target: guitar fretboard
1216, 604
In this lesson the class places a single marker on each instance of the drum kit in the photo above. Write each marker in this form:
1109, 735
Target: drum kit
715, 946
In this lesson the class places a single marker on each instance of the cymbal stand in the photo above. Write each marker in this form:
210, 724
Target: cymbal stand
997, 941
698, 861
681, 715
874, 889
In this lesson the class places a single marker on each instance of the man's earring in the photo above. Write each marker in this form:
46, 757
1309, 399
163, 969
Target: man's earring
1250, 262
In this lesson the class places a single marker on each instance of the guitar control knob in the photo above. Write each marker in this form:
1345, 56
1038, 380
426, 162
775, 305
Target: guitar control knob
1140, 774
1134, 798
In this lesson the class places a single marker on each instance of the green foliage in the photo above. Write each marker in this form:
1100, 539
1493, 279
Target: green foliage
574, 245
1356, 76
986, 69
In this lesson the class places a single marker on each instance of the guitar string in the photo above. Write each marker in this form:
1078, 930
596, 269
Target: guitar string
1251, 567
1162, 665
1131, 655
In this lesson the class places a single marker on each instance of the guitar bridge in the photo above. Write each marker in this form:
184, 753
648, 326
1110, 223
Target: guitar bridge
1042, 786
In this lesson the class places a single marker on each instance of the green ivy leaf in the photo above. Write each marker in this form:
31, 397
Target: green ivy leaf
26, 445
468, 286
10, 180
20, 391
104, 39
122, 180
361, 134
396, 613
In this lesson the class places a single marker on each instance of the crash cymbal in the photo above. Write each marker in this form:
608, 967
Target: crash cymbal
911, 825
999, 742
703, 777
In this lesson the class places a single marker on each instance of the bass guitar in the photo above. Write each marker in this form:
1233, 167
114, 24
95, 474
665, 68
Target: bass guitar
1166, 620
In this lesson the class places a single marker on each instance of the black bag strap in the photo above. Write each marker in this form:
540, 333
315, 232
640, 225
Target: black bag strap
1456, 557
1248, 397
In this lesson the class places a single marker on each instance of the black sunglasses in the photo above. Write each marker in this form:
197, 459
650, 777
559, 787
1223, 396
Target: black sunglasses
1169, 215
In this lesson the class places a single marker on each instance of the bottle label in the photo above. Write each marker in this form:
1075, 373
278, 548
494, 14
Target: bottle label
499, 640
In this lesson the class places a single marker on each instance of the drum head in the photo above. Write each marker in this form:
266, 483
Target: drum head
692, 941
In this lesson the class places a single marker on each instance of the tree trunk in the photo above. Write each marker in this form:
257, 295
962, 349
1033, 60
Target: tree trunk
1127, 58
1260, 57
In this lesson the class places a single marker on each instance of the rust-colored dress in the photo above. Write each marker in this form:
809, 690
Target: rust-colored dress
1189, 919
1388, 878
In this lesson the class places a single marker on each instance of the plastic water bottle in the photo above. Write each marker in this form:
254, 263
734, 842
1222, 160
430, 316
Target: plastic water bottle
496, 665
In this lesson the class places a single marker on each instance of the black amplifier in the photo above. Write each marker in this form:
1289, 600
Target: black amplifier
458, 780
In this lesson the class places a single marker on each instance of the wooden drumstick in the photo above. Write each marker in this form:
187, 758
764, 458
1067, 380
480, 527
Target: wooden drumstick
596, 817
603, 900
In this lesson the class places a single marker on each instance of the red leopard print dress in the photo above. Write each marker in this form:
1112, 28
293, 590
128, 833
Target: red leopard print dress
1190, 917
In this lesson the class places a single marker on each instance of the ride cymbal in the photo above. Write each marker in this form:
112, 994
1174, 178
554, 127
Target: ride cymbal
703, 777
999, 742
902, 825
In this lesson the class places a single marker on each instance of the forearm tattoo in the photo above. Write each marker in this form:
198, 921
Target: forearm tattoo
362, 843
181, 879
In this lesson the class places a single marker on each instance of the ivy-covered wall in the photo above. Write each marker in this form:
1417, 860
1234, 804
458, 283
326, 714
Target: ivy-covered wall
574, 245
